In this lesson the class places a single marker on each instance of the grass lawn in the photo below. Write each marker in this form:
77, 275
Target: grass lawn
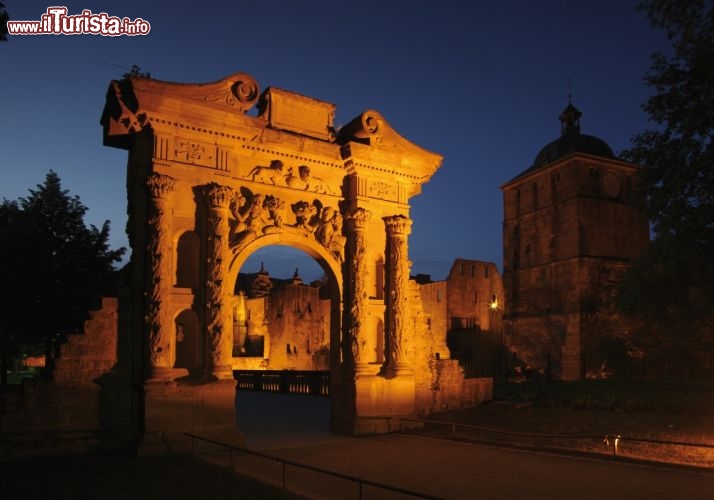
583, 413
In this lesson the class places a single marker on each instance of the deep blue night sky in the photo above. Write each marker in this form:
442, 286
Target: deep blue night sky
481, 83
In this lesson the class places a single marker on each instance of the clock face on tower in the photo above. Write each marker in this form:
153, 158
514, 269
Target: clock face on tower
611, 185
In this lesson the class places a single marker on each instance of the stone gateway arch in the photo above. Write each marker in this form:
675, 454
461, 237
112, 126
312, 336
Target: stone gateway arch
217, 171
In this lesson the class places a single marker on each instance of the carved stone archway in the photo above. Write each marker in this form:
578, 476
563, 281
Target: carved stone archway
200, 164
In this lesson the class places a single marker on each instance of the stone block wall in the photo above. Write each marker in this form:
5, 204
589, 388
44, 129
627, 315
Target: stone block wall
88, 405
449, 390
88, 355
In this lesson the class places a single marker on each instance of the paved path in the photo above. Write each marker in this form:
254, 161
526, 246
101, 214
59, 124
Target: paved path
281, 426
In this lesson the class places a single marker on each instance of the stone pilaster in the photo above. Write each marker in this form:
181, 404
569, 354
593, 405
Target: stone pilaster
161, 341
219, 325
357, 308
397, 311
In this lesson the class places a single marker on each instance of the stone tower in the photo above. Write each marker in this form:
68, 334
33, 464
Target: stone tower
570, 229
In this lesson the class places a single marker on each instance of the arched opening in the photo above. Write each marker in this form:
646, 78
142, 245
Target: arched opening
282, 310
286, 332
189, 343
379, 342
378, 292
187, 260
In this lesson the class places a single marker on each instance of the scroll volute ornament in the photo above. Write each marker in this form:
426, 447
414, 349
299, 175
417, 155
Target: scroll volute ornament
365, 127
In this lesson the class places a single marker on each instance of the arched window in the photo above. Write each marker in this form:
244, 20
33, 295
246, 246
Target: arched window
189, 345
187, 260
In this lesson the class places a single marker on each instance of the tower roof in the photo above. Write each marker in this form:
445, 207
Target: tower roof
570, 141
262, 284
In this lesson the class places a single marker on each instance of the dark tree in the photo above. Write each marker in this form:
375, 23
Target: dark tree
136, 71
55, 267
4, 18
672, 286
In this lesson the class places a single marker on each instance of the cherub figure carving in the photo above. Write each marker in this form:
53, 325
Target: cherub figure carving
250, 222
270, 174
329, 232
304, 213
236, 205
275, 208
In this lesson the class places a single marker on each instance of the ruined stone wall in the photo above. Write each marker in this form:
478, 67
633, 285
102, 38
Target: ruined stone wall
449, 390
434, 302
472, 286
536, 343
93, 353
440, 383
87, 406
294, 317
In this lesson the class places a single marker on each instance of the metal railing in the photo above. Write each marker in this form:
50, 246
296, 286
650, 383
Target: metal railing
307, 382
299, 487
613, 442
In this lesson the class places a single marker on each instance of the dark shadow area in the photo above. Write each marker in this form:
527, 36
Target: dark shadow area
120, 477
273, 421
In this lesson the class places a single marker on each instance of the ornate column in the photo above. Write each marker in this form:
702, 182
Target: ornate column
357, 307
159, 327
219, 326
397, 311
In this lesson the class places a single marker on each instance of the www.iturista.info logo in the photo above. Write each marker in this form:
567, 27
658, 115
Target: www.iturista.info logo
56, 21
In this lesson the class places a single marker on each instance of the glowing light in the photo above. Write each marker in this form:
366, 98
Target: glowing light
493, 305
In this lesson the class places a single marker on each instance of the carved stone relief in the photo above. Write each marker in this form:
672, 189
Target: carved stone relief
329, 232
242, 93
301, 179
382, 190
219, 343
398, 228
255, 214
357, 277
272, 174
160, 189
196, 153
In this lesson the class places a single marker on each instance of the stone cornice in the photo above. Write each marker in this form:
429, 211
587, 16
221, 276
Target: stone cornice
367, 146
370, 144
238, 92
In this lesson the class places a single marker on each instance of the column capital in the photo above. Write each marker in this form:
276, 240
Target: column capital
397, 225
358, 218
159, 185
218, 196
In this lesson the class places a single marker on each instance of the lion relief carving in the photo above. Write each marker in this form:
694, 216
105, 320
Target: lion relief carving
267, 175
302, 180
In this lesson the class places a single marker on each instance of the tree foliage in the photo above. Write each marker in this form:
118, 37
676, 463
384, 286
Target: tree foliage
4, 18
136, 71
55, 267
672, 285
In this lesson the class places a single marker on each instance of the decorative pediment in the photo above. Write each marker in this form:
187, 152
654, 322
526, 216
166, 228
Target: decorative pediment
130, 101
370, 146
238, 92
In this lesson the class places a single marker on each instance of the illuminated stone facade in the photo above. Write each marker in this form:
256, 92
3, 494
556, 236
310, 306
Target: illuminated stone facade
209, 184
285, 327
570, 229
